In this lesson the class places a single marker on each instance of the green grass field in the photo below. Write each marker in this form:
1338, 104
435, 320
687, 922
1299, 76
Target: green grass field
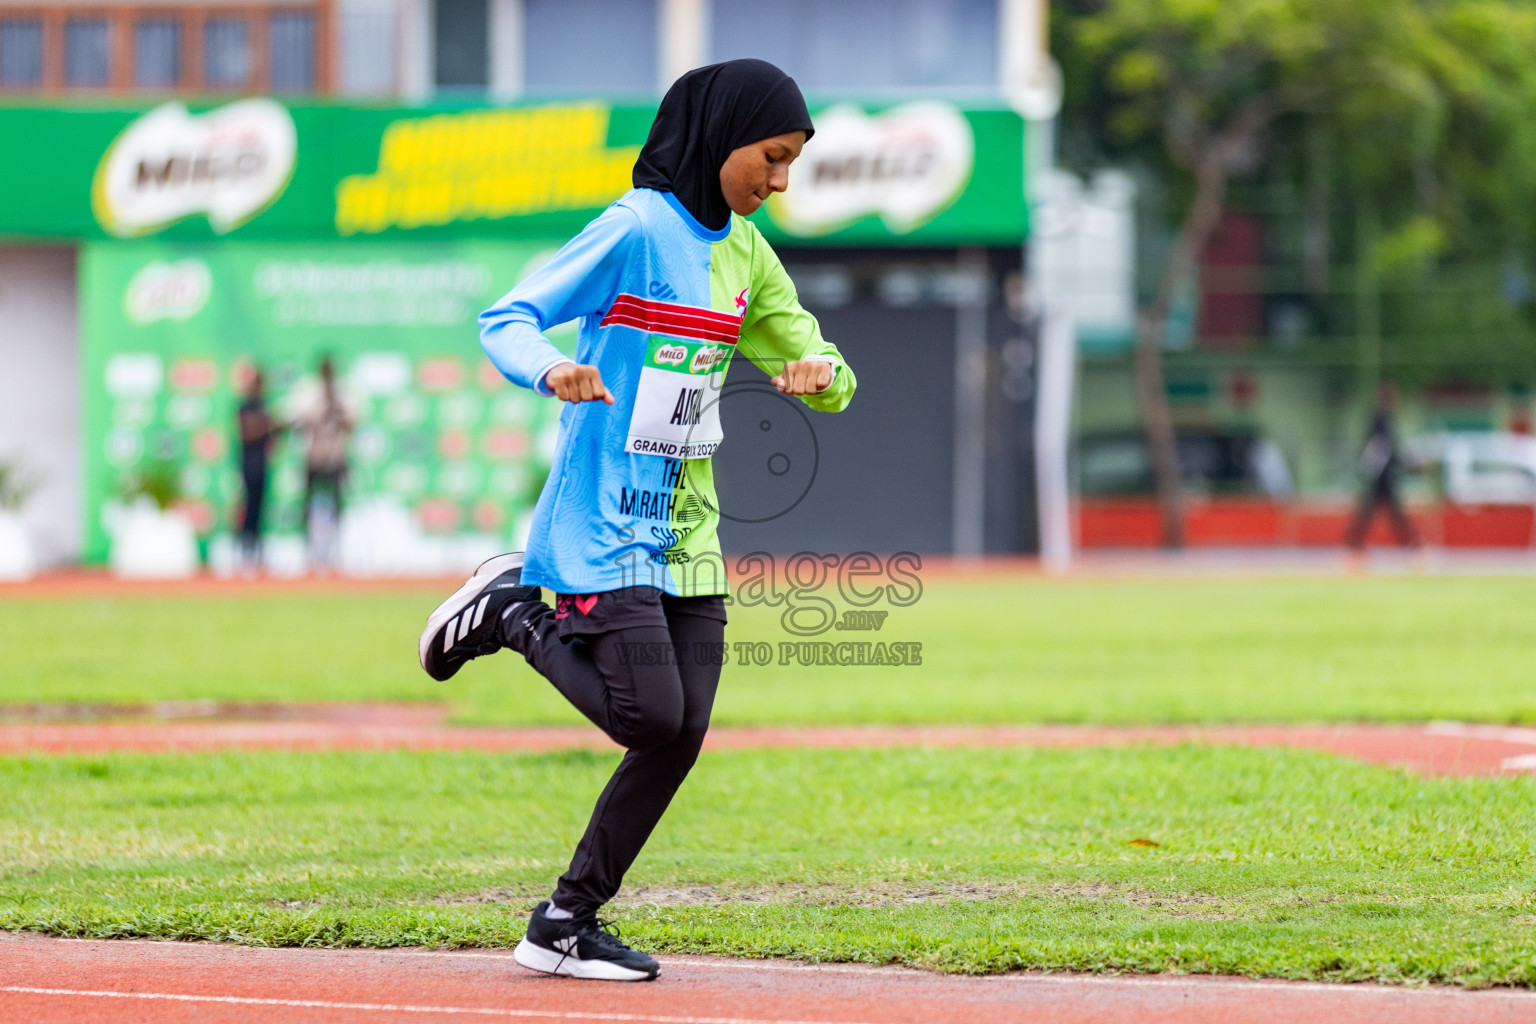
1271, 863
1268, 862
1086, 651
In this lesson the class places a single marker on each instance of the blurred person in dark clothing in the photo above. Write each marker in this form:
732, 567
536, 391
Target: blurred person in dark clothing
257, 431
327, 424
1381, 467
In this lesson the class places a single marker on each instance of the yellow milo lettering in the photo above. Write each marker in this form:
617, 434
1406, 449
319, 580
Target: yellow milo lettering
486, 165
398, 149
425, 203
362, 205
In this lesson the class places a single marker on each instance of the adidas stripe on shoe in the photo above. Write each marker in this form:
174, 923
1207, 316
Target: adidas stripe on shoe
466, 625
581, 947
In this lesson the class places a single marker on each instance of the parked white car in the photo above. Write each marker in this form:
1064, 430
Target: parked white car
1480, 468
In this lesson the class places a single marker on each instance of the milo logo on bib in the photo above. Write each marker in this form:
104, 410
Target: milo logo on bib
707, 358
676, 412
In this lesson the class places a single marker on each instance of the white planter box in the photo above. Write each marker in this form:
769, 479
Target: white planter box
18, 559
149, 544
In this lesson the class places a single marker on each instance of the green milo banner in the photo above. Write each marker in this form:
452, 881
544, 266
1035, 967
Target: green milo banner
222, 237
917, 173
447, 457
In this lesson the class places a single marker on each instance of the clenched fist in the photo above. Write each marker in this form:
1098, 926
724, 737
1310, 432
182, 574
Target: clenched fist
574, 382
804, 377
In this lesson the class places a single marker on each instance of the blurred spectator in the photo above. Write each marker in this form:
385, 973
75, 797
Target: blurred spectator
1381, 465
327, 423
257, 431
1267, 464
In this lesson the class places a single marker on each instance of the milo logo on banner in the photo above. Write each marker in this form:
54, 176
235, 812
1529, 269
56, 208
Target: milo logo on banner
905, 165
228, 164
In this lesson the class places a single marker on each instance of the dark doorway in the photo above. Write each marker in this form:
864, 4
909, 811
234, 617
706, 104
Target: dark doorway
878, 476
462, 31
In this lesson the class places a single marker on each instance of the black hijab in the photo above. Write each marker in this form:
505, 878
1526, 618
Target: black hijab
706, 114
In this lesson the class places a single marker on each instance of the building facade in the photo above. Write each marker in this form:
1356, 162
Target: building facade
197, 189
510, 49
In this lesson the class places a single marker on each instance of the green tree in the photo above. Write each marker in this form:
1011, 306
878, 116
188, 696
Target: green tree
1425, 105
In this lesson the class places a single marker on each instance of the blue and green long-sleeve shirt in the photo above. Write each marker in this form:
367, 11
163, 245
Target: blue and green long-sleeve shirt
663, 304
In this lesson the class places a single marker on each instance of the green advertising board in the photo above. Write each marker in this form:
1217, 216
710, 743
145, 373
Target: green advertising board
221, 237
170, 330
916, 173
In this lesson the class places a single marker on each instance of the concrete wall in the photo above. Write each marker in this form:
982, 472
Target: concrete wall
1319, 430
40, 391
1315, 415
884, 469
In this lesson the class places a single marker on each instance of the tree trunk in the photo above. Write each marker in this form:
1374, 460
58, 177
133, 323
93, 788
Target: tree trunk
1151, 392
1157, 419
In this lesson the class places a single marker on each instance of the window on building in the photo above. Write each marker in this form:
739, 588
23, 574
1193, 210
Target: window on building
87, 52
188, 47
226, 53
157, 52
292, 36
591, 46
21, 53
838, 46
367, 47
463, 51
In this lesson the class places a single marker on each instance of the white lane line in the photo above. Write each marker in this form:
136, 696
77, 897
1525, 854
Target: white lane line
321, 1004
1503, 733
668, 961
506, 957
1224, 982
1211, 981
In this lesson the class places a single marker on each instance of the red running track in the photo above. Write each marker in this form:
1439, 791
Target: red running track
1446, 748
62, 981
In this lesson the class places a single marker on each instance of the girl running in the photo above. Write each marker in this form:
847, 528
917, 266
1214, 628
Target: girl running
667, 283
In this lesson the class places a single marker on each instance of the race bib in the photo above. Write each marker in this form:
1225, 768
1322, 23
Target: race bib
677, 406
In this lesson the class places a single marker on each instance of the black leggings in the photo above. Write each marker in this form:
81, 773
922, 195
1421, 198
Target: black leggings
254, 475
318, 482
1382, 494
650, 688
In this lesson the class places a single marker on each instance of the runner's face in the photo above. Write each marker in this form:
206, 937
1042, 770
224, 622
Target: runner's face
757, 170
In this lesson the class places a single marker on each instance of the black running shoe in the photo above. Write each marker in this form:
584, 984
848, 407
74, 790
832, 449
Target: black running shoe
467, 625
581, 947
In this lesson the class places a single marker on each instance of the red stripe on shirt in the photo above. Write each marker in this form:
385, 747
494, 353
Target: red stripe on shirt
693, 322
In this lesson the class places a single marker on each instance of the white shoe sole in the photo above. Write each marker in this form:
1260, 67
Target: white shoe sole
464, 597
547, 961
